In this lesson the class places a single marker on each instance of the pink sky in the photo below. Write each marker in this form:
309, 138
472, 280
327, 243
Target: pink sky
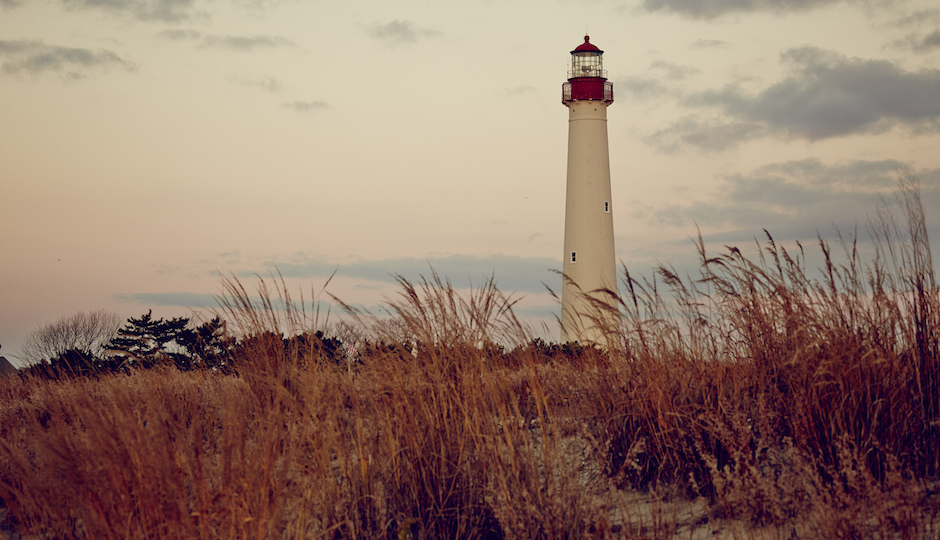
148, 144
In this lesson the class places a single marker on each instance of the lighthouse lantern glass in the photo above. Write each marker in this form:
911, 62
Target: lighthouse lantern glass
587, 64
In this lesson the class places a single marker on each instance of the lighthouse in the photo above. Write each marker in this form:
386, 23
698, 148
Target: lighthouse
589, 266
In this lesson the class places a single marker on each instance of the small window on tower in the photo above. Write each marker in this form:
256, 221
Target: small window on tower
574, 256
606, 207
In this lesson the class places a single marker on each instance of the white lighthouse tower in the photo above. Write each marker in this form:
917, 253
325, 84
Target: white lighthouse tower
589, 265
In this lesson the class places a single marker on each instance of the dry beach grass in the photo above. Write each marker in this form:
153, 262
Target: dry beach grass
750, 402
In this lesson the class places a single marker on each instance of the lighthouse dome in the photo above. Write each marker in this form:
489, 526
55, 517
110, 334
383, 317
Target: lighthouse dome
587, 47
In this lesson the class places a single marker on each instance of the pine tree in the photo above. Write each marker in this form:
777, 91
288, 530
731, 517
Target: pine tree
143, 341
208, 346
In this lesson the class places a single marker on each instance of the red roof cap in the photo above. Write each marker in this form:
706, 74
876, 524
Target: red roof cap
587, 46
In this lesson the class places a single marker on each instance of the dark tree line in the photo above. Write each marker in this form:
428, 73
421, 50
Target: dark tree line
146, 342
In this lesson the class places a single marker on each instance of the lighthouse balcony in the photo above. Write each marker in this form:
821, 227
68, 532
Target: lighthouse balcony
587, 71
587, 89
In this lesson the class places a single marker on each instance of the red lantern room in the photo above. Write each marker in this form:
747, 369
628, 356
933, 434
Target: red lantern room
587, 79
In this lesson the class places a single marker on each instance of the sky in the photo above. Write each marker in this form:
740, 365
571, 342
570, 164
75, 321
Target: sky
148, 147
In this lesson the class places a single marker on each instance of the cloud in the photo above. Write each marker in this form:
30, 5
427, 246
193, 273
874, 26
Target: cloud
512, 273
269, 84
708, 44
183, 299
794, 199
825, 95
180, 34
712, 9
673, 71
235, 43
640, 88
400, 32
918, 18
258, 5
930, 41
201, 301
521, 90
245, 43
923, 44
917, 41
303, 106
706, 135
165, 269
146, 10
211, 301
646, 88
35, 58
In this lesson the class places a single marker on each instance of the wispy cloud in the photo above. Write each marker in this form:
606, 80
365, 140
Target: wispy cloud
708, 44
35, 58
172, 11
512, 273
400, 32
245, 43
235, 43
713, 9
210, 301
268, 84
520, 91
643, 88
183, 299
200, 301
674, 71
259, 5
180, 34
303, 106
705, 135
640, 88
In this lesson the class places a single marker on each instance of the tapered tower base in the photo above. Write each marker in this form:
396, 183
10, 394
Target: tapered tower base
589, 267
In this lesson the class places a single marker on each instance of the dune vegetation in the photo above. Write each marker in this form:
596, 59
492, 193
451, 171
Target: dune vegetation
757, 399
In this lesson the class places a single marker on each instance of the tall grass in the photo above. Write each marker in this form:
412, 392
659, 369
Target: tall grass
769, 390
753, 400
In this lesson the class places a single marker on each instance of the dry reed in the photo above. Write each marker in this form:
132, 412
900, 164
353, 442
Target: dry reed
751, 401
